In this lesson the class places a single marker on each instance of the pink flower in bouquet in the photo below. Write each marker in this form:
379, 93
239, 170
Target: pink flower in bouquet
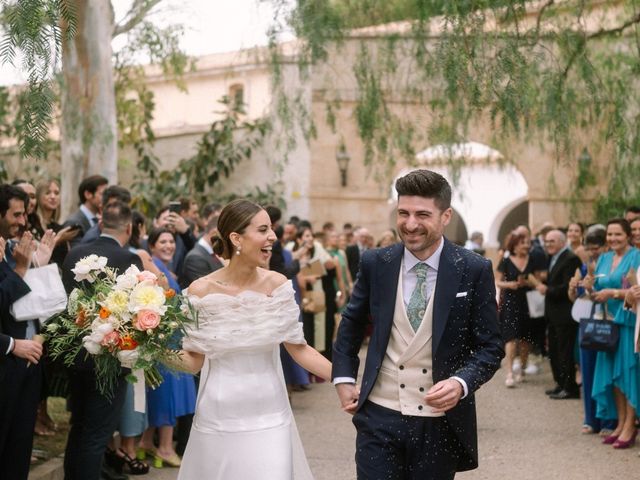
146, 276
146, 320
111, 340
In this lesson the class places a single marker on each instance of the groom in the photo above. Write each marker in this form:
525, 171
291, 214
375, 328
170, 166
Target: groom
435, 341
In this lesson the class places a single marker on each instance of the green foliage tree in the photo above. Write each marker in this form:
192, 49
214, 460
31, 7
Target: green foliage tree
229, 141
550, 71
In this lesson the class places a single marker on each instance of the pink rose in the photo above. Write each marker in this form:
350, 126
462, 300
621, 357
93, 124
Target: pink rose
146, 320
147, 276
111, 340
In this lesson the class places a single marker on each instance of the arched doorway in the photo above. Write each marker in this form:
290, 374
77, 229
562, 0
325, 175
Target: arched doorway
516, 215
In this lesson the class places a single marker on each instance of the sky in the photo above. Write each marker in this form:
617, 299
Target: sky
211, 26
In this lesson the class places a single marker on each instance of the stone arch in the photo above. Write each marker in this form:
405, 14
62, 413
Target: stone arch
512, 215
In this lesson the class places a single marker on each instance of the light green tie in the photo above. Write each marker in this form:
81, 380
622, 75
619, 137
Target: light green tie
418, 301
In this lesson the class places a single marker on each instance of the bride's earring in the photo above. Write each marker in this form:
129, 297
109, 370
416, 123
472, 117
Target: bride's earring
238, 250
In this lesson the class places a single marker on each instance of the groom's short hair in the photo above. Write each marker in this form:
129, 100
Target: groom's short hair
428, 184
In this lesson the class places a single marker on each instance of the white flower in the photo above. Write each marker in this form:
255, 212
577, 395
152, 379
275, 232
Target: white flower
85, 266
147, 297
128, 279
128, 357
72, 304
91, 346
99, 329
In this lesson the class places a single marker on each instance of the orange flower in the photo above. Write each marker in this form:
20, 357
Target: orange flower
127, 343
104, 312
81, 318
169, 293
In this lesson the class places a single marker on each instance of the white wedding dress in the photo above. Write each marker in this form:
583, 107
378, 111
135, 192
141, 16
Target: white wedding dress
243, 428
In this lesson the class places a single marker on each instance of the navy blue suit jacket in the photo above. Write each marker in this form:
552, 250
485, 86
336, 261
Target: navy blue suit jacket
466, 338
12, 288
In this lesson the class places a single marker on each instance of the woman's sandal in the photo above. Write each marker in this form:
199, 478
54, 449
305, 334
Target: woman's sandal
587, 430
134, 466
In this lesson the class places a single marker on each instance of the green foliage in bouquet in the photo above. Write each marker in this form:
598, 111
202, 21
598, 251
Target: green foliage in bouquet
125, 320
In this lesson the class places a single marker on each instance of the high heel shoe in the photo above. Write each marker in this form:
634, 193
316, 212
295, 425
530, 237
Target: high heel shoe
135, 466
610, 439
621, 444
142, 452
171, 461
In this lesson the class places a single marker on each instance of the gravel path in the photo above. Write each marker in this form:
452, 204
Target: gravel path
522, 435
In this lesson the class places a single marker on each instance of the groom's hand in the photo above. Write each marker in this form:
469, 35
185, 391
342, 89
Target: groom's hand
444, 395
348, 393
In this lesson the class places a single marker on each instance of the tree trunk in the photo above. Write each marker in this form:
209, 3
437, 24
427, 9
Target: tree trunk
88, 140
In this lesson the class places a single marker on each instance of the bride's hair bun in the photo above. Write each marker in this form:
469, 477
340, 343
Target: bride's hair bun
218, 245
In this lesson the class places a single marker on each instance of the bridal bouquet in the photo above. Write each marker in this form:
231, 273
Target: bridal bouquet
125, 320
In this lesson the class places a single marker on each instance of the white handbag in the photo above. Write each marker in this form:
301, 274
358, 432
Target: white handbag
46, 298
535, 302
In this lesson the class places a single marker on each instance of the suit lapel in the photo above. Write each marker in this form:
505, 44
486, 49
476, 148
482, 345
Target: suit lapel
386, 288
449, 277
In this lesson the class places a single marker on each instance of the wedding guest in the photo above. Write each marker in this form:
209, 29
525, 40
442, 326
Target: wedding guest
113, 193
575, 237
94, 416
631, 213
515, 323
201, 260
176, 396
388, 237
343, 283
189, 211
45, 217
616, 387
595, 245
557, 309
19, 384
244, 427
354, 251
90, 201
475, 243
30, 190
185, 240
635, 232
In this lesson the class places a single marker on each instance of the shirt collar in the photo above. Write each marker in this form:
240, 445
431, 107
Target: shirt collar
88, 213
203, 243
410, 260
555, 257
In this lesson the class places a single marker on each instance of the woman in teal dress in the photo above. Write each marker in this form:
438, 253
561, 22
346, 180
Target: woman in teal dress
616, 384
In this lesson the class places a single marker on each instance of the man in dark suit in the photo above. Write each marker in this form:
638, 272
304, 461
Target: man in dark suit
355, 251
557, 310
201, 260
94, 417
90, 201
113, 193
435, 341
19, 382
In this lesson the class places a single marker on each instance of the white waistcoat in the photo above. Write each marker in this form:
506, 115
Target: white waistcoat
406, 374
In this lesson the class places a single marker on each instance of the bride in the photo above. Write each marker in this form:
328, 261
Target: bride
243, 426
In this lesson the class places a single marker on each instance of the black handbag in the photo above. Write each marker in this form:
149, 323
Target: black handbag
602, 335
